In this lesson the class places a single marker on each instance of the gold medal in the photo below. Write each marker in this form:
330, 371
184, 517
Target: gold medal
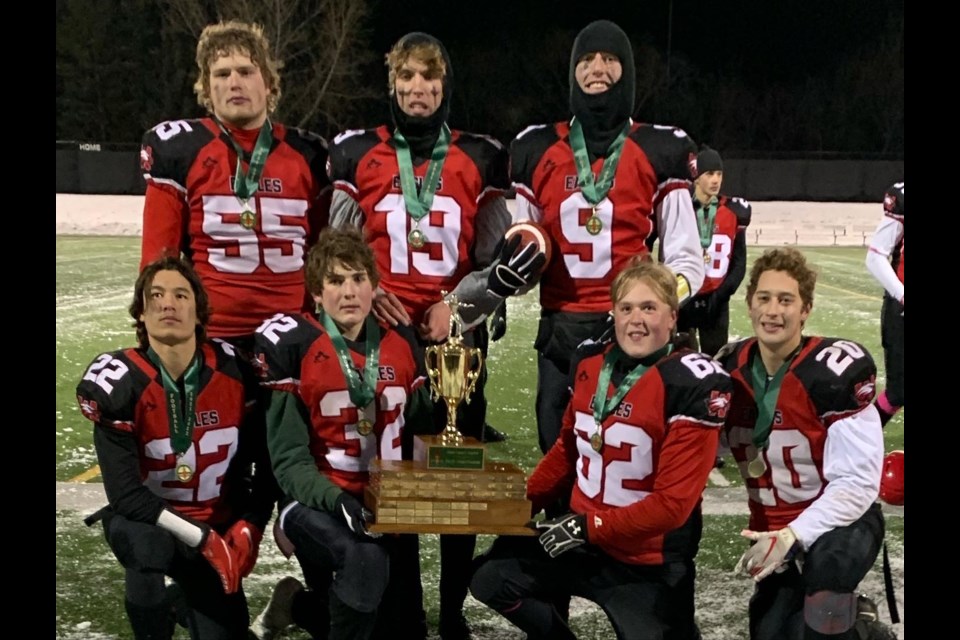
757, 467
706, 258
596, 441
415, 237
184, 472
364, 427
248, 219
594, 224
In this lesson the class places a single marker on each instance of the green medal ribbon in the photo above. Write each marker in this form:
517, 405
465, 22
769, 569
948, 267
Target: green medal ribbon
766, 396
418, 204
361, 391
706, 216
602, 406
595, 192
181, 423
245, 183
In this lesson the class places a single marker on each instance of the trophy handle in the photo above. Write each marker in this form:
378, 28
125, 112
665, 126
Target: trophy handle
476, 366
432, 360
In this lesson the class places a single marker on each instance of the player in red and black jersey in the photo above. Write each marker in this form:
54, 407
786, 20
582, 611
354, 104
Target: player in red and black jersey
722, 222
637, 444
342, 393
599, 209
885, 262
176, 459
808, 440
430, 203
246, 225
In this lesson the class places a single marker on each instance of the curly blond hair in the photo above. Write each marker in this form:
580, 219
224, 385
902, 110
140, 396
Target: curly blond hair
232, 37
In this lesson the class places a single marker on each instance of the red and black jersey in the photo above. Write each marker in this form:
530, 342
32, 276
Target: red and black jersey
828, 380
363, 164
190, 207
297, 355
893, 205
123, 391
733, 216
655, 160
641, 492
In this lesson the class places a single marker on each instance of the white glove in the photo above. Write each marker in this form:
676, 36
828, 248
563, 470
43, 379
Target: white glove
770, 551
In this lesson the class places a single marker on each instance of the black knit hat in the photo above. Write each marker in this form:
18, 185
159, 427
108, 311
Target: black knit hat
708, 160
604, 114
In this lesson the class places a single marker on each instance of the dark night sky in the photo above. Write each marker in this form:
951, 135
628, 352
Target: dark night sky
760, 40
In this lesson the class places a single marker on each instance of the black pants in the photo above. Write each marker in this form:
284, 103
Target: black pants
836, 562
369, 575
891, 337
148, 553
558, 336
712, 329
520, 581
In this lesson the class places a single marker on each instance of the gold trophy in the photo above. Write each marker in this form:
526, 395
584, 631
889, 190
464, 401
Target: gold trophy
453, 370
449, 486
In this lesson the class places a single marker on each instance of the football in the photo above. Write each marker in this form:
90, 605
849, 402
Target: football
531, 232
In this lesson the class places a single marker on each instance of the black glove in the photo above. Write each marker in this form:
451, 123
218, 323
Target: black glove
511, 272
563, 533
498, 322
354, 515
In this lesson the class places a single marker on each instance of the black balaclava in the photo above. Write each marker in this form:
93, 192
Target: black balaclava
603, 115
422, 132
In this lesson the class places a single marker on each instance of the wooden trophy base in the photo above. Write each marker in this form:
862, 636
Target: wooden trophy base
407, 496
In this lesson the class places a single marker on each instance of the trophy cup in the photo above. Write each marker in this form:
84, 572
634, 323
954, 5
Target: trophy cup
453, 370
449, 486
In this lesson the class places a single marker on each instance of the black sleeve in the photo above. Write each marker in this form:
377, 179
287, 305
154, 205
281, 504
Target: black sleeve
119, 461
527, 149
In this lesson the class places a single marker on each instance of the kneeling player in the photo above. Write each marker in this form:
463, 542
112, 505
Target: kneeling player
342, 388
636, 446
176, 463
809, 445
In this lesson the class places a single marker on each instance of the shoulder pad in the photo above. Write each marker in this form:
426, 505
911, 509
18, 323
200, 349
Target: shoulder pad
670, 150
489, 155
893, 201
840, 377
346, 151
280, 344
696, 387
527, 149
109, 389
169, 149
741, 208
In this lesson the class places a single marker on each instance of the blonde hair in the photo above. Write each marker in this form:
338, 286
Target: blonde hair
657, 276
234, 37
428, 53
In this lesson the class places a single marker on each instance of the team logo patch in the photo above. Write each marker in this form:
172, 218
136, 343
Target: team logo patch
864, 391
146, 157
260, 364
692, 164
718, 404
89, 408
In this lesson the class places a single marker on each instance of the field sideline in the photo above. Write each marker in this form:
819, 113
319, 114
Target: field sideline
95, 278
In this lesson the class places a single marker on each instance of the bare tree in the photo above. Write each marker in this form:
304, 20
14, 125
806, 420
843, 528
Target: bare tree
323, 45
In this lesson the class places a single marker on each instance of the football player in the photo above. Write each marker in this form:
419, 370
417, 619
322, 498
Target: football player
808, 441
342, 387
599, 183
637, 445
885, 262
175, 455
722, 222
242, 196
430, 202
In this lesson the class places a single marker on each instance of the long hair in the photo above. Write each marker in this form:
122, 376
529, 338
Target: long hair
145, 281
